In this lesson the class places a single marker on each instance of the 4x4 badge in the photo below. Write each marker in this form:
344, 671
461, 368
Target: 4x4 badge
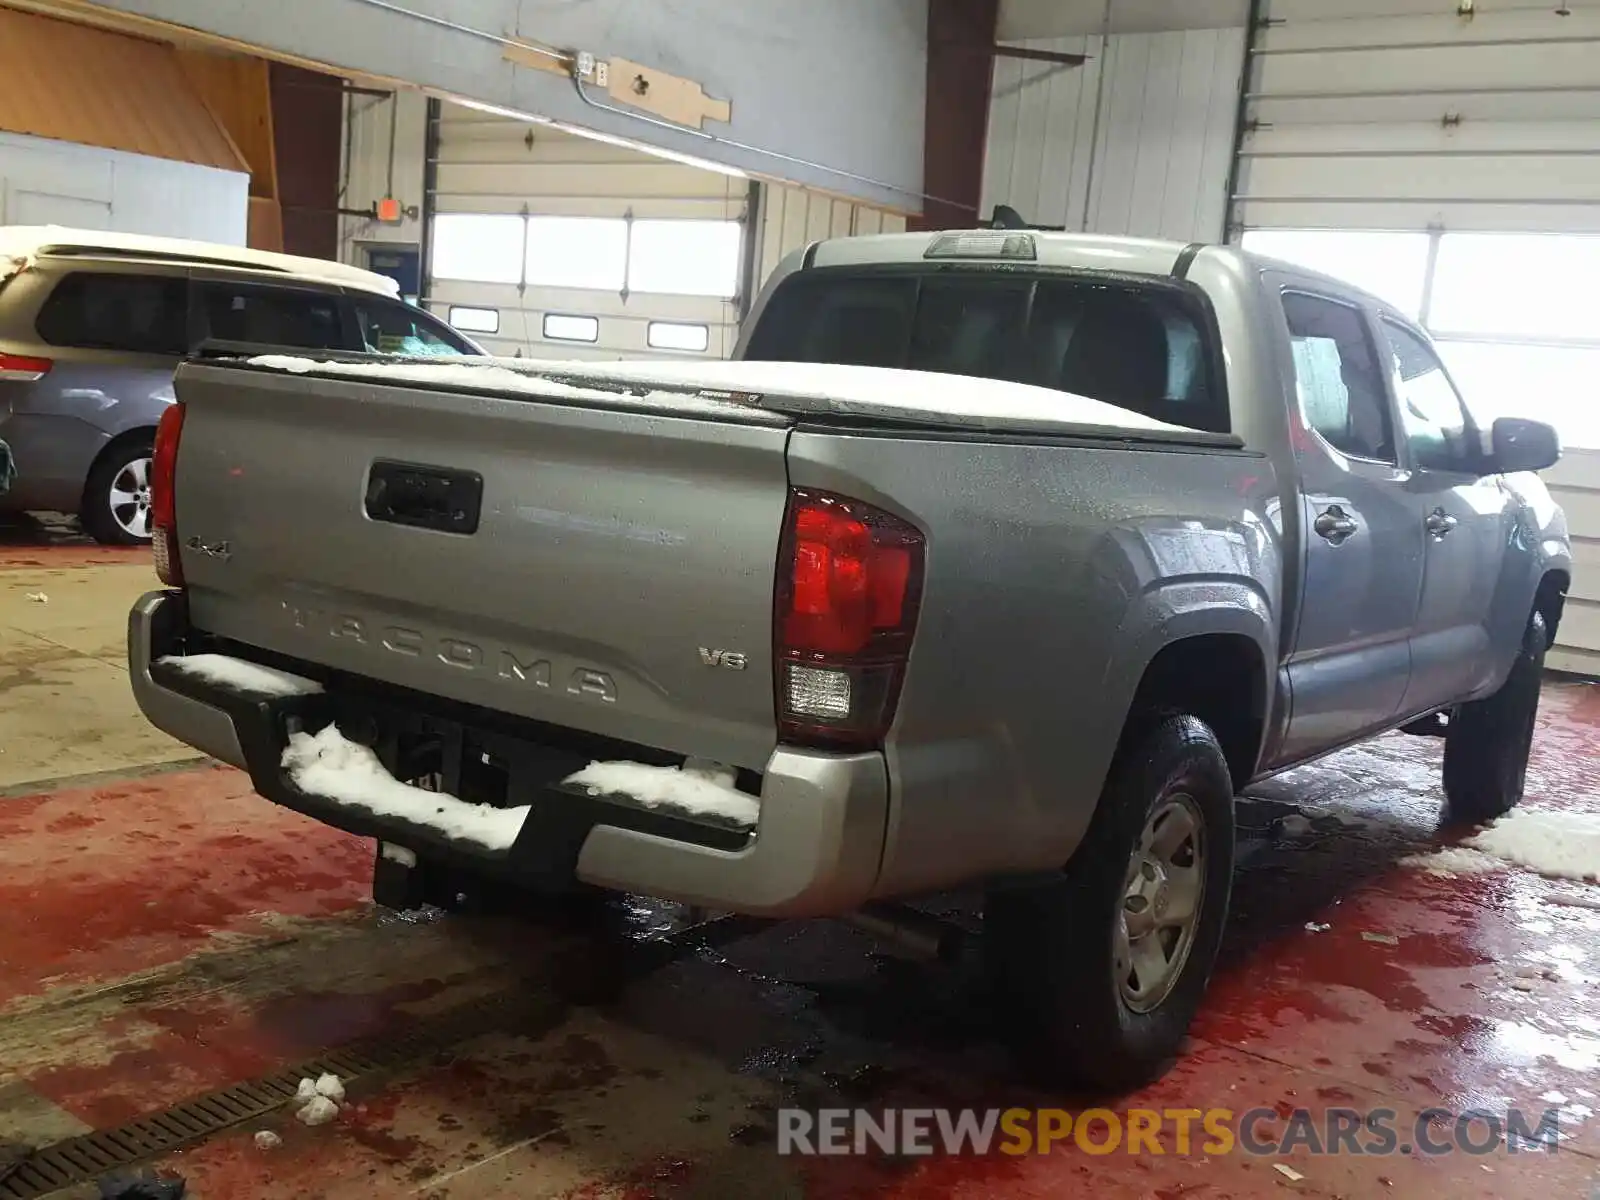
210, 549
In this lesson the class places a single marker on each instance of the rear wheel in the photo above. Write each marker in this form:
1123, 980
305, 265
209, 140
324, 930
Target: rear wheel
116, 499
1487, 746
1100, 970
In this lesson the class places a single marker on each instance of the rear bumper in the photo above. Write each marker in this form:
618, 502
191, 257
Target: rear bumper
816, 849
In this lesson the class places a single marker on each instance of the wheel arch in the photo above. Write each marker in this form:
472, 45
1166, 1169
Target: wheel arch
138, 434
1222, 678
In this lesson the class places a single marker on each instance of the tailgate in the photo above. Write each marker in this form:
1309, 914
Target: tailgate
620, 565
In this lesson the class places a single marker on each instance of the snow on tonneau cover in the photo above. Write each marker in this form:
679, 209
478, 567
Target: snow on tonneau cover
566, 542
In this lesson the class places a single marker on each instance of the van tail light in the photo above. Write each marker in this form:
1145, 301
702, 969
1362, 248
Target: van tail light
22, 368
849, 588
163, 502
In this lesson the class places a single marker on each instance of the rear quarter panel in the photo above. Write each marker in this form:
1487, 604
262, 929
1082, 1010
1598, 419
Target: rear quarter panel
1054, 575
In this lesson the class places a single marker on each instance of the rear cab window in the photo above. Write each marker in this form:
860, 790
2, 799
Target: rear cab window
1146, 346
136, 314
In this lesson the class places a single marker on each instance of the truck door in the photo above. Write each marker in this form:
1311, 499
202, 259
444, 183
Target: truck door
1467, 522
1350, 662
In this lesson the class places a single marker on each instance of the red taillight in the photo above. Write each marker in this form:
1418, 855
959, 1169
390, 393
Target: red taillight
163, 503
850, 580
22, 368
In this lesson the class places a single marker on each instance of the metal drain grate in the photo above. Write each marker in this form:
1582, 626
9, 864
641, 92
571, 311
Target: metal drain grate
92, 1155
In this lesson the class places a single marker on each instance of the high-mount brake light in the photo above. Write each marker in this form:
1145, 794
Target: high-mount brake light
849, 590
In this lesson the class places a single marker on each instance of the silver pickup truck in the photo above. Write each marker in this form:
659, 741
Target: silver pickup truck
998, 557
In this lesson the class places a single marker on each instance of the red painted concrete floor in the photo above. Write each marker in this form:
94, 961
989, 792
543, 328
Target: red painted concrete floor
54, 540
171, 934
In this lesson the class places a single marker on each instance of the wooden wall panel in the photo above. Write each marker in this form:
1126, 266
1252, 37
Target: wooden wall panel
74, 83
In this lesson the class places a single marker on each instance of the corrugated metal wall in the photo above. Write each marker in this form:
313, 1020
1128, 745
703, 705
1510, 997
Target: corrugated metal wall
1136, 141
792, 218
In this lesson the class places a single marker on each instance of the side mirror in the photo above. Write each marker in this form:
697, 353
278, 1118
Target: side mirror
1522, 445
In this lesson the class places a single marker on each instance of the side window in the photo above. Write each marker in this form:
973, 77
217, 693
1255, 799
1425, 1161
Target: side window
391, 328
264, 316
141, 314
1436, 426
1340, 384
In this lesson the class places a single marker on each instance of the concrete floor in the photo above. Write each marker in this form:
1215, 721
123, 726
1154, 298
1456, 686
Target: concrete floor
164, 933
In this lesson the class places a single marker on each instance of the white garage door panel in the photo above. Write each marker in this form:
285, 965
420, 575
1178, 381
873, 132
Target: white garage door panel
1582, 508
498, 165
1278, 113
1586, 570
620, 184
623, 325
1436, 68
605, 305
1427, 137
1530, 178
1294, 11
1512, 216
687, 209
1354, 30
1580, 624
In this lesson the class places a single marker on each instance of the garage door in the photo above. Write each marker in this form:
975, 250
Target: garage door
545, 244
1447, 157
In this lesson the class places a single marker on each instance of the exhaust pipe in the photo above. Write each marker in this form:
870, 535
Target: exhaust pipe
911, 931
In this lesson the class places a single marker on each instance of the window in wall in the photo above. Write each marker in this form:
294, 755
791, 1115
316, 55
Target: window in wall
267, 316
578, 252
1436, 425
1392, 266
141, 314
388, 327
1520, 284
561, 328
668, 335
1336, 368
1555, 384
685, 258
474, 320
477, 248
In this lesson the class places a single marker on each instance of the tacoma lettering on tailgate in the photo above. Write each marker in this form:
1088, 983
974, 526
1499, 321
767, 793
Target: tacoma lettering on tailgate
448, 651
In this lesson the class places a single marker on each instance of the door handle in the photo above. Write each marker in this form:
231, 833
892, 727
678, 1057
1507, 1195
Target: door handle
1440, 522
1334, 524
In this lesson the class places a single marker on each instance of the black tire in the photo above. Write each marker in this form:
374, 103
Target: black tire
98, 516
1051, 945
1486, 748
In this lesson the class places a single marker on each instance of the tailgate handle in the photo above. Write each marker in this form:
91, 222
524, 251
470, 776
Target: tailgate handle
424, 497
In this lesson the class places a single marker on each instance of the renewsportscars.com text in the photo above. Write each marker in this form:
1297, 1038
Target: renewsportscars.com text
1179, 1131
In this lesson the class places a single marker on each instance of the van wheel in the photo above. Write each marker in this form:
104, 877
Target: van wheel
1486, 750
116, 499
1100, 969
